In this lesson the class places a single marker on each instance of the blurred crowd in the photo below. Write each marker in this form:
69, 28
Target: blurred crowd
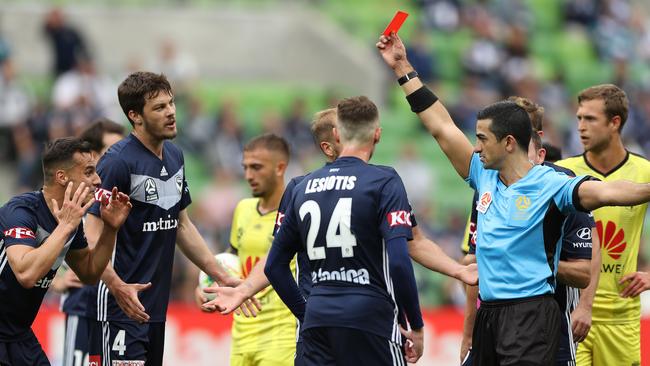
500, 57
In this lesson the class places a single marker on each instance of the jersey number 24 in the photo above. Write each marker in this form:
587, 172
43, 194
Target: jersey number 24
339, 221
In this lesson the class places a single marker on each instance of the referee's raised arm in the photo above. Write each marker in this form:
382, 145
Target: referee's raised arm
432, 113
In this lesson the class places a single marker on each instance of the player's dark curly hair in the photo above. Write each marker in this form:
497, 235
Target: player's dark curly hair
134, 91
59, 154
94, 134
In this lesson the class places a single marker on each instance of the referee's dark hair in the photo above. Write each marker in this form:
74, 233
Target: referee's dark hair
271, 142
59, 154
508, 119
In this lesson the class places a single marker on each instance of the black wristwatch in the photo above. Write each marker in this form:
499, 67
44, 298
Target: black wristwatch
411, 75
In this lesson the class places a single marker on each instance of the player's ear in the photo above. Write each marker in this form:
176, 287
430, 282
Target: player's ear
135, 117
61, 177
377, 136
616, 123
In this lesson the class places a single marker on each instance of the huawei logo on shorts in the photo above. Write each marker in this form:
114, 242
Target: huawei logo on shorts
611, 239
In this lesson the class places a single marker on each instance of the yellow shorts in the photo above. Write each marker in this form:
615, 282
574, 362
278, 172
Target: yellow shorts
610, 345
269, 357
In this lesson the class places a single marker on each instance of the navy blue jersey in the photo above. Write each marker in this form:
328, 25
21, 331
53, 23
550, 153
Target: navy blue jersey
144, 251
576, 244
26, 220
75, 300
303, 275
364, 207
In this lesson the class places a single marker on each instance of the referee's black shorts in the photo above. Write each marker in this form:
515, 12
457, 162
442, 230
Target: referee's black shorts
522, 332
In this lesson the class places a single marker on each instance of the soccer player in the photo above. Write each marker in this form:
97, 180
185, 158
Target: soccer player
614, 338
574, 268
520, 208
100, 135
130, 302
421, 249
353, 220
38, 230
269, 338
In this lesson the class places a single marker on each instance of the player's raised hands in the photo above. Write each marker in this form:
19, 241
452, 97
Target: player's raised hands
126, 295
414, 345
638, 282
392, 50
73, 207
115, 209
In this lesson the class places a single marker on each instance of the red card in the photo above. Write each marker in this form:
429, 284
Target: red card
396, 23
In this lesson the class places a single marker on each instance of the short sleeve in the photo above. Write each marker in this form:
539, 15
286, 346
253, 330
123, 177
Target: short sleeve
475, 169
288, 235
577, 241
472, 225
566, 191
234, 229
395, 210
114, 172
79, 240
21, 226
186, 199
284, 203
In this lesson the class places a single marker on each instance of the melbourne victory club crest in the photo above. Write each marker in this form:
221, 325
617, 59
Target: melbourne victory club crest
179, 183
151, 192
484, 202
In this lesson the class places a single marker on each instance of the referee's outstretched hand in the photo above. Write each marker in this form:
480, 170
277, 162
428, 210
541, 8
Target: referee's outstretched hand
414, 345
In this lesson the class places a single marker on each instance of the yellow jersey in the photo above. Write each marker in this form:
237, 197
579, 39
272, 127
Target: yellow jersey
275, 326
619, 230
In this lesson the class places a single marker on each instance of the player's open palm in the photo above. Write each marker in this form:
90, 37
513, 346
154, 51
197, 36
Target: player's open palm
126, 295
72, 208
115, 209
391, 49
229, 299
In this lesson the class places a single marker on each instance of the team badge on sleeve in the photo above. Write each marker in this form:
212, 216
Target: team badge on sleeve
399, 218
20, 233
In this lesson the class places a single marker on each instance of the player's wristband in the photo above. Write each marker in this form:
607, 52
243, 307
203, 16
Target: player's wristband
411, 75
421, 99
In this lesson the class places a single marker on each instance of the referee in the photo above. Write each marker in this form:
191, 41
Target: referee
520, 207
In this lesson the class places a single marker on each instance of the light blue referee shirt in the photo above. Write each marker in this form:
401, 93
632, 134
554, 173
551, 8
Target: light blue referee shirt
519, 229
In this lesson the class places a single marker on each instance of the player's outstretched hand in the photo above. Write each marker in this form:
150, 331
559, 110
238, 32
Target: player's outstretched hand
392, 50
66, 281
469, 274
231, 299
73, 207
580, 323
115, 209
414, 346
638, 282
126, 295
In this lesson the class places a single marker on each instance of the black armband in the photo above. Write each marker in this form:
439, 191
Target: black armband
421, 99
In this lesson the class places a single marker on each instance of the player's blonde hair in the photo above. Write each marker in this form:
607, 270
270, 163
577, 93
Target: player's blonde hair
322, 125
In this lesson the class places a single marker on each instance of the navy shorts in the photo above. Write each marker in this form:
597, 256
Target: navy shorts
338, 346
131, 342
27, 352
76, 343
